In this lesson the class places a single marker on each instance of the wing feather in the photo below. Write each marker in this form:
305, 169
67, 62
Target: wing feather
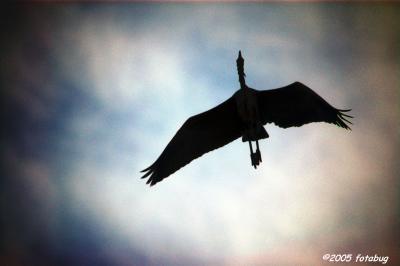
296, 105
200, 134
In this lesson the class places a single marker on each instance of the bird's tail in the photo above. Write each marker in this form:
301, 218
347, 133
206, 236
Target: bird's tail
254, 134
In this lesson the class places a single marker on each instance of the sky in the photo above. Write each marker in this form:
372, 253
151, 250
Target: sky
92, 93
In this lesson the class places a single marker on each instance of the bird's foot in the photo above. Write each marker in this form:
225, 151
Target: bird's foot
254, 160
258, 153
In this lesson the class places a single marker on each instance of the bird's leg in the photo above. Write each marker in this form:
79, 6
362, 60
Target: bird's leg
252, 156
259, 159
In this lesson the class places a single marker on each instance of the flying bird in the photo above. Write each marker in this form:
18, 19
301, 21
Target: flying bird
243, 115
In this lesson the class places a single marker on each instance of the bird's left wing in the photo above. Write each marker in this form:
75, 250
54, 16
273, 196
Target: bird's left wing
198, 135
296, 105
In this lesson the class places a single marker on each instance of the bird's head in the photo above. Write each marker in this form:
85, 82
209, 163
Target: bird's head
240, 56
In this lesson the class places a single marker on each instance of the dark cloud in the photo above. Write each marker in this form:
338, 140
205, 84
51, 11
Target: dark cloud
86, 94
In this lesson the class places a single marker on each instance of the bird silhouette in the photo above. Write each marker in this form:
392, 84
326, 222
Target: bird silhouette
243, 115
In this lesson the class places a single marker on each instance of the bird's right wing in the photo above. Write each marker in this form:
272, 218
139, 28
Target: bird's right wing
198, 135
296, 105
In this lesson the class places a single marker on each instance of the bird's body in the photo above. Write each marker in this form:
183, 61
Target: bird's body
243, 115
247, 108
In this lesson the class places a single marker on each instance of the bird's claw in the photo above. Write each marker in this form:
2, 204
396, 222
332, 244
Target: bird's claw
256, 158
254, 161
259, 156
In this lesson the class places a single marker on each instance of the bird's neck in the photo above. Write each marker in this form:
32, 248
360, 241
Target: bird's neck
240, 69
242, 82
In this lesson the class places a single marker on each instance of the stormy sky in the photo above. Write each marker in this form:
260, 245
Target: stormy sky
92, 93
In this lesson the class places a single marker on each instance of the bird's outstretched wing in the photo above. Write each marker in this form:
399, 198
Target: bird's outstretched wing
296, 105
198, 135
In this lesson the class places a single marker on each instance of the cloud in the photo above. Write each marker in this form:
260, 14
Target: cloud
143, 71
297, 189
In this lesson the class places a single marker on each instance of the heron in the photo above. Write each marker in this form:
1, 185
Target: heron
244, 115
